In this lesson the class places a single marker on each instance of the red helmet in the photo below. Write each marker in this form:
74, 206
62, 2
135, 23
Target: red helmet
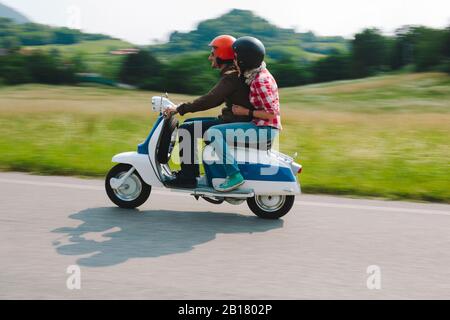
223, 47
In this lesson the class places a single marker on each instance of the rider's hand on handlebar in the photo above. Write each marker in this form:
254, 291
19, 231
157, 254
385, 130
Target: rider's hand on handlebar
170, 111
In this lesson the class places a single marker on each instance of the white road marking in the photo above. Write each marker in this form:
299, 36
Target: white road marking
184, 194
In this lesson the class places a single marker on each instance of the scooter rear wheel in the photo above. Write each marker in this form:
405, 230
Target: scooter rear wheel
133, 193
270, 207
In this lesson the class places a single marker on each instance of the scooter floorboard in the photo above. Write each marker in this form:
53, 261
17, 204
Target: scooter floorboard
211, 192
208, 191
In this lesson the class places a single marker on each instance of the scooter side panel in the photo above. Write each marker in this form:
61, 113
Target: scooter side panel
142, 164
264, 172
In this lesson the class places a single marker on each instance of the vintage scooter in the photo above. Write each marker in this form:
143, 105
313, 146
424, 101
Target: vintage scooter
270, 177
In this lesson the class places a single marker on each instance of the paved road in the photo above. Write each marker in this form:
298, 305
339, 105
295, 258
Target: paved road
175, 247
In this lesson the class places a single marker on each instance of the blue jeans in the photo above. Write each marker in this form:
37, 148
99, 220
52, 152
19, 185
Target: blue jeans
220, 136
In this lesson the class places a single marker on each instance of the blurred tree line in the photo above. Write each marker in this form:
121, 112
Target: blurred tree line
188, 73
14, 35
38, 67
280, 42
412, 48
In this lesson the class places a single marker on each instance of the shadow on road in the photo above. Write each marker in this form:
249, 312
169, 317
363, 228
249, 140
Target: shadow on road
148, 233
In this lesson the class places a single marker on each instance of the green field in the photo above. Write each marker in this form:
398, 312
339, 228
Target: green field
383, 137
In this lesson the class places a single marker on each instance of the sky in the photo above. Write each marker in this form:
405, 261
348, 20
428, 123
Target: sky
148, 21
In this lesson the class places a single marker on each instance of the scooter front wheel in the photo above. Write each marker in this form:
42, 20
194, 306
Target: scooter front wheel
133, 192
271, 206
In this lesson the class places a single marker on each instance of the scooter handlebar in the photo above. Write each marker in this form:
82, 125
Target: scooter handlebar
160, 104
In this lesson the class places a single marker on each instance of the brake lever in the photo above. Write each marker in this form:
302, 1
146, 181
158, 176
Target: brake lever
168, 115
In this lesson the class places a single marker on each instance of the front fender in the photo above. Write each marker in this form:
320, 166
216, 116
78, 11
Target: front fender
141, 163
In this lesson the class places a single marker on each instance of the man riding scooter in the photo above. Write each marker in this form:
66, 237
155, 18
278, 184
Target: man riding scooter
230, 89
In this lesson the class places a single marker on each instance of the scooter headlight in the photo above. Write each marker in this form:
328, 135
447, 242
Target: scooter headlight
156, 104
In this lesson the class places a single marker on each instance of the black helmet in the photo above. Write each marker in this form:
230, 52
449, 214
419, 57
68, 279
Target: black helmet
250, 52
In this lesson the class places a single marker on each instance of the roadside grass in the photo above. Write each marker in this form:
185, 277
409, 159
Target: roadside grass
396, 147
406, 93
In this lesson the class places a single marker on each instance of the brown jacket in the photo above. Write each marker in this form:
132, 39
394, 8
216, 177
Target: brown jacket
230, 89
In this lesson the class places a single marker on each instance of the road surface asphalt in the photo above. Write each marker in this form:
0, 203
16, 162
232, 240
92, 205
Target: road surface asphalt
175, 247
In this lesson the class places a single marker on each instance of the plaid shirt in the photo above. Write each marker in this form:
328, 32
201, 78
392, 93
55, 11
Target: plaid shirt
264, 96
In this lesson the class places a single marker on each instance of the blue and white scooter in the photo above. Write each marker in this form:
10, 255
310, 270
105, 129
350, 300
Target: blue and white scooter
270, 177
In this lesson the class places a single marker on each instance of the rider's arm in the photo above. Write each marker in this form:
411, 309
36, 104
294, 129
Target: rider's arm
259, 114
212, 99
